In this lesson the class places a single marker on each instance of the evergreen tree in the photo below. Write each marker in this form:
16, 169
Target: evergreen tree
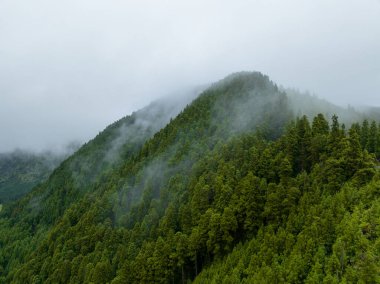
364, 135
372, 138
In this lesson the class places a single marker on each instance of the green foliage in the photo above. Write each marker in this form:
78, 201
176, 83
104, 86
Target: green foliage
230, 191
21, 171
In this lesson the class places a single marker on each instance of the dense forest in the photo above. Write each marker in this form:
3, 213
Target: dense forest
20, 171
233, 188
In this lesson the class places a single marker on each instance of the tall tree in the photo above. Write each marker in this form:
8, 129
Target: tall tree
372, 138
320, 131
303, 144
364, 134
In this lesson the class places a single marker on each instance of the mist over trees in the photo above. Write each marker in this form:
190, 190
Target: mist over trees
21, 170
239, 186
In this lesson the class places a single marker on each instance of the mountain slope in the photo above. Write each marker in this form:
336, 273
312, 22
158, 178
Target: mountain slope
306, 104
186, 199
21, 171
318, 226
28, 220
173, 150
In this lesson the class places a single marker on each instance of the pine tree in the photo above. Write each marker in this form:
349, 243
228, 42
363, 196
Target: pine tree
364, 134
335, 136
372, 138
303, 160
320, 125
320, 132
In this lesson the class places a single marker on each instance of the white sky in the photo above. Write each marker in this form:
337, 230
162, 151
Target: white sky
69, 68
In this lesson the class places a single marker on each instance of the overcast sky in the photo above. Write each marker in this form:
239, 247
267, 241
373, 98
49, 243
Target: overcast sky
69, 68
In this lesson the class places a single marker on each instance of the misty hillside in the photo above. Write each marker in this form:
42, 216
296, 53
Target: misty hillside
20, 171
311, 105
233, 187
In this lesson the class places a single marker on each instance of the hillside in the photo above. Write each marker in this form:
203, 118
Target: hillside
234, 188
20, 171
310, 105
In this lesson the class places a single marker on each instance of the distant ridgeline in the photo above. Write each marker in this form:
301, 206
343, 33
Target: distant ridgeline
233, 188
20, 171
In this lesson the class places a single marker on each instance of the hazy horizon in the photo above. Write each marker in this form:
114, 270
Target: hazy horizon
68, 69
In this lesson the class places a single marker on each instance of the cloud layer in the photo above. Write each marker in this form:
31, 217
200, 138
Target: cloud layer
69, 68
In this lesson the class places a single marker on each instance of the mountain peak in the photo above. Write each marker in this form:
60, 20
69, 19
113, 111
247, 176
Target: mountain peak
224, 175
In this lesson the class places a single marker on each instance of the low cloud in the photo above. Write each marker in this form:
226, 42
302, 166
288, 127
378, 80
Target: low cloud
70, 68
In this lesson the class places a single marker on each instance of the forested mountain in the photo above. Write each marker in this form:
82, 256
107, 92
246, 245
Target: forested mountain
20, 171
235, 188
310, 105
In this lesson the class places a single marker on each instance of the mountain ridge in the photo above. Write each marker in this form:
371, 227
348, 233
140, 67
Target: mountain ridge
231, 166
